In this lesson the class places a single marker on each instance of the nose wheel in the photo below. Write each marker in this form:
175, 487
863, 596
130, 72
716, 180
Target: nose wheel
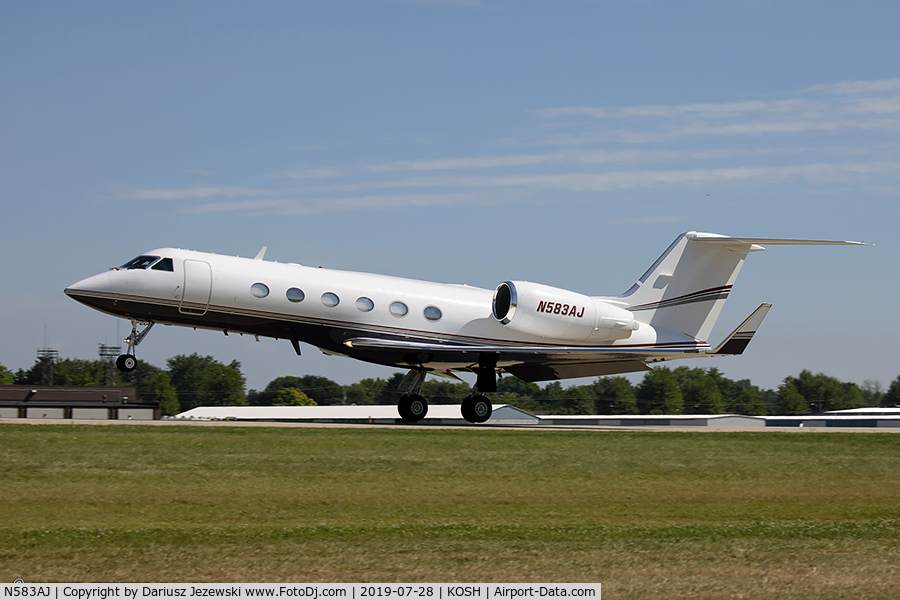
127, 362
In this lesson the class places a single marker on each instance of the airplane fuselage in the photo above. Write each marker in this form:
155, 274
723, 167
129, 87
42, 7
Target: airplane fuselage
329, 308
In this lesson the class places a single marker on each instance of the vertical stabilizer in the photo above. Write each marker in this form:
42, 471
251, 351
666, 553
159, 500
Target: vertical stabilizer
685, 289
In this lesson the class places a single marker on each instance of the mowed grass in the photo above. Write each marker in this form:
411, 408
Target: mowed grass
649, 514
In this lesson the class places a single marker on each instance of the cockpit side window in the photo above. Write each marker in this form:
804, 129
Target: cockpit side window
164, 265
141, 262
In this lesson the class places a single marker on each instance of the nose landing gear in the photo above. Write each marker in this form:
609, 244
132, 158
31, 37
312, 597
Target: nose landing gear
128, 362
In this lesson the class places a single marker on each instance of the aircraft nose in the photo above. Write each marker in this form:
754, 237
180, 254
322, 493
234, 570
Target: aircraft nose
99, 282
93, 287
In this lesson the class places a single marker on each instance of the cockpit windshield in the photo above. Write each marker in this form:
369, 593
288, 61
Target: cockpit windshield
141, 262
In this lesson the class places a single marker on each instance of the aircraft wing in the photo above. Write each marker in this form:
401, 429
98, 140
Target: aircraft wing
543, 363
535, 363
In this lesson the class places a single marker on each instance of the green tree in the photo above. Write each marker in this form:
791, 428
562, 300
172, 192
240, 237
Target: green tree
892, 396
6, 376
519, 387
853, 396
614, 396
872, 392
660, 394
293, 397
365, 391
390, 393
323, 390
445, 392
826, 393
68, 371
791, 401
748, 402
550, 397
519, 393
203, 381
77, 371
700, 391
575, 400
142, 371
158, 388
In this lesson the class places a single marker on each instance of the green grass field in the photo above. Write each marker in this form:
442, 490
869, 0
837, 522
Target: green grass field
700, 515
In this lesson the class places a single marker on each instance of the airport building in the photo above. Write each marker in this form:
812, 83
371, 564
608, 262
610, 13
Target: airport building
438, 414
74, 402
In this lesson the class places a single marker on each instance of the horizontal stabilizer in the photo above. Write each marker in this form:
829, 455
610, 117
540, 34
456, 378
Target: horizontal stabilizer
735, 343
720, 239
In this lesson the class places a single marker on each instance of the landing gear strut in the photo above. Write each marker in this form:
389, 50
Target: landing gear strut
128, 362
476, 408
412, 406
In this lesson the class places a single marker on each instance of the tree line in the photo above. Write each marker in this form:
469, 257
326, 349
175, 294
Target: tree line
189, 381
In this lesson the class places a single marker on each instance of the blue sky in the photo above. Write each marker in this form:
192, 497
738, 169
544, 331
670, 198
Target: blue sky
464, 141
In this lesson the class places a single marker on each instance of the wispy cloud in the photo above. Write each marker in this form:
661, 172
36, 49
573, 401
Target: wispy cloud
472, 189
447, 164
706, 111
254, 206
853, 88
593, 149
314, 173
876, 105
194, 192
298, 206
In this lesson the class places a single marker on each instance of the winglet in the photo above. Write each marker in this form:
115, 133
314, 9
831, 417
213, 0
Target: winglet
261, 253
735, 343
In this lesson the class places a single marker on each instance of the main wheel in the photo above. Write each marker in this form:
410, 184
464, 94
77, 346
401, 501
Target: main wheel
476, 409
412, 407
126, 363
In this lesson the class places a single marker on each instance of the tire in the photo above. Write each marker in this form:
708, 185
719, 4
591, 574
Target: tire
476, 409
126, 363
412, 408
482, 408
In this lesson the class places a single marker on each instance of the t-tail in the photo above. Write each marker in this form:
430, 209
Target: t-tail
684, 291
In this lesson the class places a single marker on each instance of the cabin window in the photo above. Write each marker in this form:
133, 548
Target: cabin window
164, 265
260, 290
295, 295
330, 299
398, 309
141, 262
364, 304
433, 313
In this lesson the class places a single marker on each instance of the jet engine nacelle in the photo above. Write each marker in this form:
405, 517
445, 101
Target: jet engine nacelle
553, 313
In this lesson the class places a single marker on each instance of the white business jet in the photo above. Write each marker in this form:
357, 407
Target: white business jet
533, 331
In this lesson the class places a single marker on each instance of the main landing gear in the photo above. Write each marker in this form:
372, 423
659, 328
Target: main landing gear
128, 362
476, 408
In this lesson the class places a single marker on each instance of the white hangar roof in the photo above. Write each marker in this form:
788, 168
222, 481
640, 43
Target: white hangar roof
437, 413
